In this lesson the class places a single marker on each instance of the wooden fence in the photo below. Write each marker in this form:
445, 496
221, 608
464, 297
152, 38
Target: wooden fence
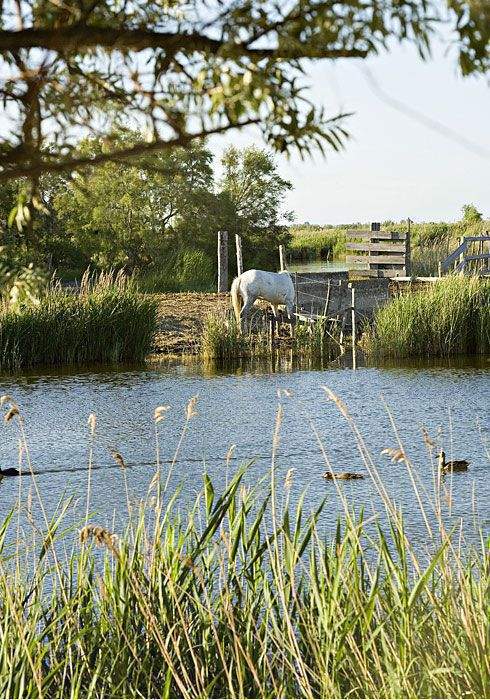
468, 257
385, 253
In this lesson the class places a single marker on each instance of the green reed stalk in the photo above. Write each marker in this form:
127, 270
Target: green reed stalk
241, 596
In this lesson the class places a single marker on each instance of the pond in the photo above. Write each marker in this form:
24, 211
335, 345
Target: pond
238, 407
324, 266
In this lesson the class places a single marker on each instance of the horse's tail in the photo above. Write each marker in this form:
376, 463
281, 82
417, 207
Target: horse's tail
235, 299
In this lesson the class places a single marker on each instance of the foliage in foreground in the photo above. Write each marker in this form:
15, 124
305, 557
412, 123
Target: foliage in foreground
240, 597
107, 321
452, 317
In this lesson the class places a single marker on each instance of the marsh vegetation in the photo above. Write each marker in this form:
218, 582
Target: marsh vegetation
244, 596
106, 320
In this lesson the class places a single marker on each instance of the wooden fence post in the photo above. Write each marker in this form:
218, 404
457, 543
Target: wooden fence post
408, 252
239, 254
353, 323
282, 258
222, 261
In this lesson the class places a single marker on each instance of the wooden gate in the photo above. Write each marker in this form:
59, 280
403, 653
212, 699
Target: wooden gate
384, 253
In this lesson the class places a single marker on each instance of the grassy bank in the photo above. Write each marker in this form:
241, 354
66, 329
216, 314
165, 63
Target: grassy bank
241, 596
107, 321
316, 242
452, 317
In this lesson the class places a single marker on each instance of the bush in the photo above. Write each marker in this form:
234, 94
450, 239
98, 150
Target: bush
107, 321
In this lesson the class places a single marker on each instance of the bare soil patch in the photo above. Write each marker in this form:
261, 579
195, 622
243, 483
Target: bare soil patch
181, 319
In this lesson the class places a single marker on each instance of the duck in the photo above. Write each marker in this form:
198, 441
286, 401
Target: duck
342, 476
10, 471
455, 465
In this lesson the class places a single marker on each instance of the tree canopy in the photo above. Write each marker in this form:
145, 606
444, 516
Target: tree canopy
185, 69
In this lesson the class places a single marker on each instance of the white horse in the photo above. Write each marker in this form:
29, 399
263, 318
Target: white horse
275, 287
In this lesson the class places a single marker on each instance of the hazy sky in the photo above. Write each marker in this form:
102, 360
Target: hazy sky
393, 166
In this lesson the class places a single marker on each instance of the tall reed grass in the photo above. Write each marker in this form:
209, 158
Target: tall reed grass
106, 320
316, 242
222, 340
452, 317
240, 596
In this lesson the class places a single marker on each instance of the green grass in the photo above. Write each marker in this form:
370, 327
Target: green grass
240, 595
316, 242
186, 271
451, 317
222, 342
108, 321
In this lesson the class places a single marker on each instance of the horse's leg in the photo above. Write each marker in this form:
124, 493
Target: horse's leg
248, 303
290, 307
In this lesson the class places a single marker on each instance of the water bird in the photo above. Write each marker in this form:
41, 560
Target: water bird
342, 476
10, 471
455, 465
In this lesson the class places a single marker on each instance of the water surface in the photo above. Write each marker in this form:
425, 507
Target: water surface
238, 407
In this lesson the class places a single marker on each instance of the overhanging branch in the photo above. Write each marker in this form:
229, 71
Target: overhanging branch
82, 36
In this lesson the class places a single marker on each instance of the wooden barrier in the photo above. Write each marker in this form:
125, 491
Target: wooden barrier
388, 252
460, 259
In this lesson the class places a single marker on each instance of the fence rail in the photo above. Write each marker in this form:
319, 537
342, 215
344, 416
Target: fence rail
460, 258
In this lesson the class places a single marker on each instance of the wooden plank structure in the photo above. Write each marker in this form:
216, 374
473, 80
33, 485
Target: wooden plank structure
465, 259
388, 252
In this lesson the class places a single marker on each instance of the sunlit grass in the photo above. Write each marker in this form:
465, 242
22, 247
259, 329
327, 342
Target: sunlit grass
107, 321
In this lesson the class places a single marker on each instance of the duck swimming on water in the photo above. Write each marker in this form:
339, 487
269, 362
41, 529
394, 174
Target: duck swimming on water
10, 471
455, 465
343, 476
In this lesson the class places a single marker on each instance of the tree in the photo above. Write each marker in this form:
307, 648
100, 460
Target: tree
190, 68
471, 215
129, 215
256, 191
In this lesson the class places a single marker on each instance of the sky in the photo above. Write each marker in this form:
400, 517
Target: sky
394, 166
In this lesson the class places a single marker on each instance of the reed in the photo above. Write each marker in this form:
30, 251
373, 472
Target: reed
107, 320
240, 596
316, 242
449, 318
221, 340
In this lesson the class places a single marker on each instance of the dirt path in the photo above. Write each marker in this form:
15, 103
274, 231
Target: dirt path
181, 318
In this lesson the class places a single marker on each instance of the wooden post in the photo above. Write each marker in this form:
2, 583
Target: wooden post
353, 323
461, 256
239, 255
222, 261
296, 292
439, 269
272, 329
408, 252
282, 258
